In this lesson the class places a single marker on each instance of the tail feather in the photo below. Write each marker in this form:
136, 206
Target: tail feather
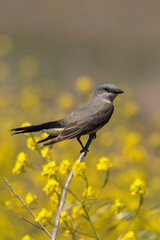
46, 139
36, 128
56, 140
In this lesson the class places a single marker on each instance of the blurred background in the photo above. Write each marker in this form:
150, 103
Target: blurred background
53, 54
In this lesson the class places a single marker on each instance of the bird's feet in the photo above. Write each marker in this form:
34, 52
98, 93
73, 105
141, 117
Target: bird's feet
94, 134
85, 150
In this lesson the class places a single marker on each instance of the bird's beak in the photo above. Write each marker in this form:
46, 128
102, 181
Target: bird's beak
118, 91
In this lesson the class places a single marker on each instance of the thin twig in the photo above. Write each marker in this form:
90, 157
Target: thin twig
65, 189
133, 218
29, 210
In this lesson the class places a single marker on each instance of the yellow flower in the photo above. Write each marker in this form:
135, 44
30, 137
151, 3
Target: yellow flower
6, 44
129, 236
84, 84
18, 168
45, 152
30, 198
44, 135
138, 187
64, 217
65, 100
49, 169
26, 237
67, 233
7, 204
89, 192
22, 157
65, 166
25, 124
117, 207
28, 66
20, 163
55, 198
51, 186
32, 143
44, 216
75, 212
104, 164
79, 168
132, 139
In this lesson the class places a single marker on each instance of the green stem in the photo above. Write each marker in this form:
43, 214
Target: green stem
86, 180
86, 213
81, 233
100, 191
90, 221
133, 218
71, 231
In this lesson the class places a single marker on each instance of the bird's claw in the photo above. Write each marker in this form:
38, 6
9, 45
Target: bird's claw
85, 150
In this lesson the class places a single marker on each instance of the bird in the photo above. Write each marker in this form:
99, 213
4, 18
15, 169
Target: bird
85, 120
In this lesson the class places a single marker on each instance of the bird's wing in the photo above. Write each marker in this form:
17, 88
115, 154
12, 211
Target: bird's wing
88, 124
84, 126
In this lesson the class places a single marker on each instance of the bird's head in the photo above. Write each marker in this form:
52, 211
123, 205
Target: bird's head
107, 91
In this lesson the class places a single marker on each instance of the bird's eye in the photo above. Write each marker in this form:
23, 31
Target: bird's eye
107, 89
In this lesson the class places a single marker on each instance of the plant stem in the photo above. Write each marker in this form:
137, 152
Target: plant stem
65, 189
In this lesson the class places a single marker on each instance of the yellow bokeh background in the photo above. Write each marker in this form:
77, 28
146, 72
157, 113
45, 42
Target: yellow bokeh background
51, 61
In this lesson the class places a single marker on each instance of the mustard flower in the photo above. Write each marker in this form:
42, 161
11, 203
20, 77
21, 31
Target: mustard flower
104, 164
65, 166
7, 203
30, 198
45, 152
132, 139
44, 216
44, 135
129, 236
55, 198
89, 192
138, 187
25, 124
64, 217
49, 169
18, 168
84, 84
67, 233
31, 143
20, 163
117, 207
79, 168
51, 186
27, 237
75, 212
22, 157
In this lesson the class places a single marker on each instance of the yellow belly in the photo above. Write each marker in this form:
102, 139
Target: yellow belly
93, 131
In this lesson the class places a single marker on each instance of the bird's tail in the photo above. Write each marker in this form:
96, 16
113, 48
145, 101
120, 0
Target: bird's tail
37, 128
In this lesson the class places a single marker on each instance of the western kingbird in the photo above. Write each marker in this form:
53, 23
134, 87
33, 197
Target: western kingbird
87, 119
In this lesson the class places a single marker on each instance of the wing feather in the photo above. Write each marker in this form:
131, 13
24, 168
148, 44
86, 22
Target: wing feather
86, 124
